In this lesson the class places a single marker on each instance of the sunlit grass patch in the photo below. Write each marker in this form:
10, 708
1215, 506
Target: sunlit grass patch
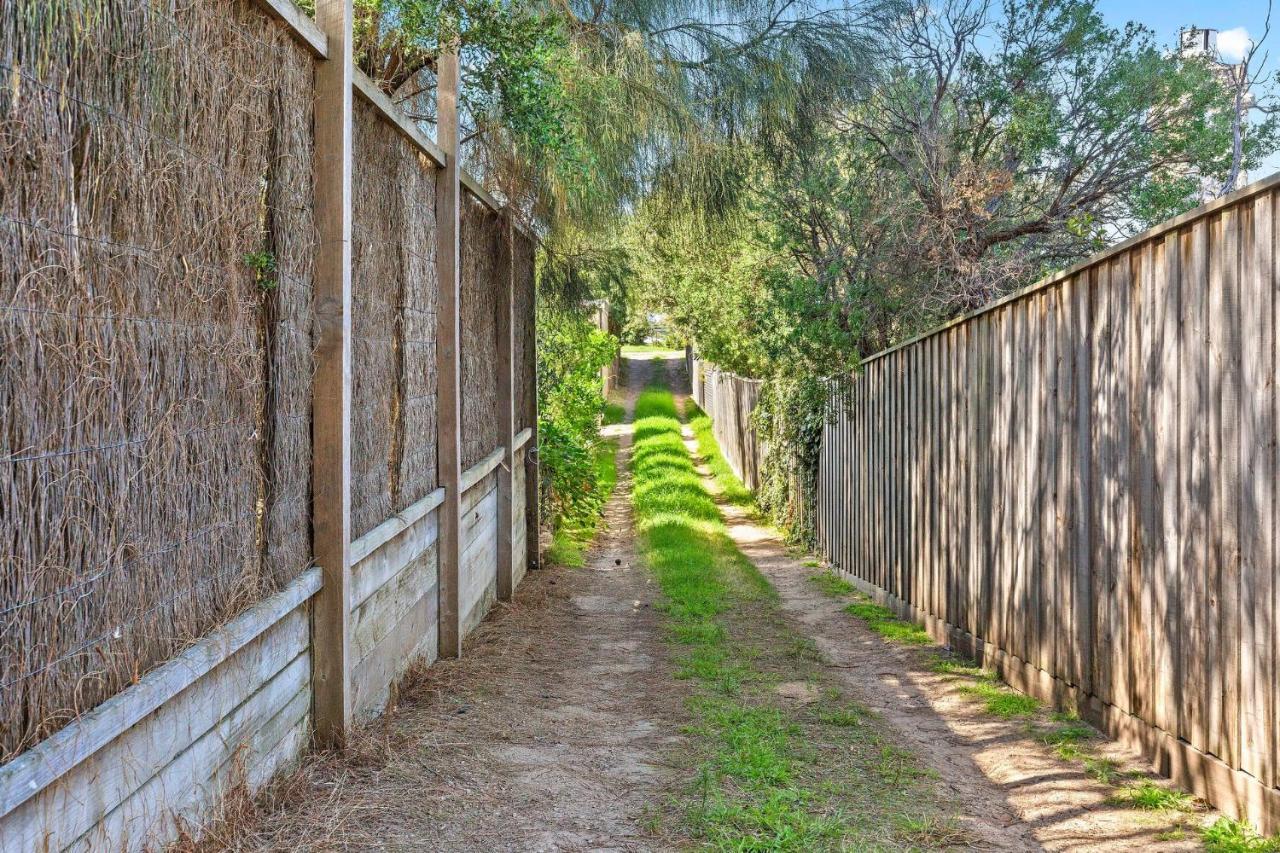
832, 584
883, 622
1226, 835
731, 488
774, 771
1068, 740
1149, 796
1002, 701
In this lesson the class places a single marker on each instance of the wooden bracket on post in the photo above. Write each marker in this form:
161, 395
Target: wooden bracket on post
331, 383
448, 352
506, 408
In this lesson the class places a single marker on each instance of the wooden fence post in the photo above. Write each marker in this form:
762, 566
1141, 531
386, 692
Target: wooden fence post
331, 388
448, 352
506, 411
533, 469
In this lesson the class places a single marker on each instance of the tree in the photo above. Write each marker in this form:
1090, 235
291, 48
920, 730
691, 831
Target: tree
1244, 80
1030, 136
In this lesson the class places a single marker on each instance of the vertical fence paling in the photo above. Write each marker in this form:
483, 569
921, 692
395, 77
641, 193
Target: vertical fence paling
1078, 484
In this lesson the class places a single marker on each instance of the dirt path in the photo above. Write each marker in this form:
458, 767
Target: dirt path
554, 730
548, 734
1015, 793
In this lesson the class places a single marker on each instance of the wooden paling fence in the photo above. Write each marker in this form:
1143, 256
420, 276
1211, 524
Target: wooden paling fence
729, 400
1077, 485
269, 391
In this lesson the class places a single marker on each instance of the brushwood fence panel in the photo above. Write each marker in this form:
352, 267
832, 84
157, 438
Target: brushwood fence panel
484, 283
166, 312
1078, 485
154, 464
730, 401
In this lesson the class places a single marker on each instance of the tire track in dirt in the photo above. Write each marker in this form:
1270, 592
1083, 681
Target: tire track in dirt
1014, 793
550, 733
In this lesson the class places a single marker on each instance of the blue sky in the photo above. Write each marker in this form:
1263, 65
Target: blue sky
1166, 17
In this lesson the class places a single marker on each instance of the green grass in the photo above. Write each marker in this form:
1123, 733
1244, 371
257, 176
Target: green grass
832, 585
1149, 796
883, 622
1005, 702
614, 413
731, 488
955, 665
650, 351
1002, 701
572, 538
1226, 835
1069, 739
768, 774
1105, 770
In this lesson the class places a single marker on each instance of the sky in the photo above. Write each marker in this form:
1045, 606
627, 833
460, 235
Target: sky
1236, 20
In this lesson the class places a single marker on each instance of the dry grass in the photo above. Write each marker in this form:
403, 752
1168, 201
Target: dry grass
324, 802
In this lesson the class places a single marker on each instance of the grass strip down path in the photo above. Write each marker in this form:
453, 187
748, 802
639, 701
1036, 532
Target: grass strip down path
780, 759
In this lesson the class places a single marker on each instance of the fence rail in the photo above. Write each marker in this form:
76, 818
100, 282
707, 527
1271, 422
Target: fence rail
1078, 485
249, 313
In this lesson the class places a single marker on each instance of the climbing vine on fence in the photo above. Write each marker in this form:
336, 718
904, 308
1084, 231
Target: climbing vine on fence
789, 418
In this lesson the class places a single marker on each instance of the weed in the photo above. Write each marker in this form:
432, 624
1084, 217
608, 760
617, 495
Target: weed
1002, 701
955, 665
888, 626
573, 536
1105, 770
850, 716
934, 833
832, 584
1149, 796
1226, 835
263, 264
897, 766
1174, 833
803, 648
1067, 739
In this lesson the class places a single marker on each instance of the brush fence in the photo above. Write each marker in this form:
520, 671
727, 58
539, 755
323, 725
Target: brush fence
729, 400
1077, 486
159, 302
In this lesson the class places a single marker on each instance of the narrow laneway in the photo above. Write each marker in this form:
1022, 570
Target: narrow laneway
571, 723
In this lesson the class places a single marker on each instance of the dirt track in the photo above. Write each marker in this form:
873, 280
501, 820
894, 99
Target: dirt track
557, 728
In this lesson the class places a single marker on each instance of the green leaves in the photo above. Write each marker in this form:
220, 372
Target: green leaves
571, 352
263, 264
